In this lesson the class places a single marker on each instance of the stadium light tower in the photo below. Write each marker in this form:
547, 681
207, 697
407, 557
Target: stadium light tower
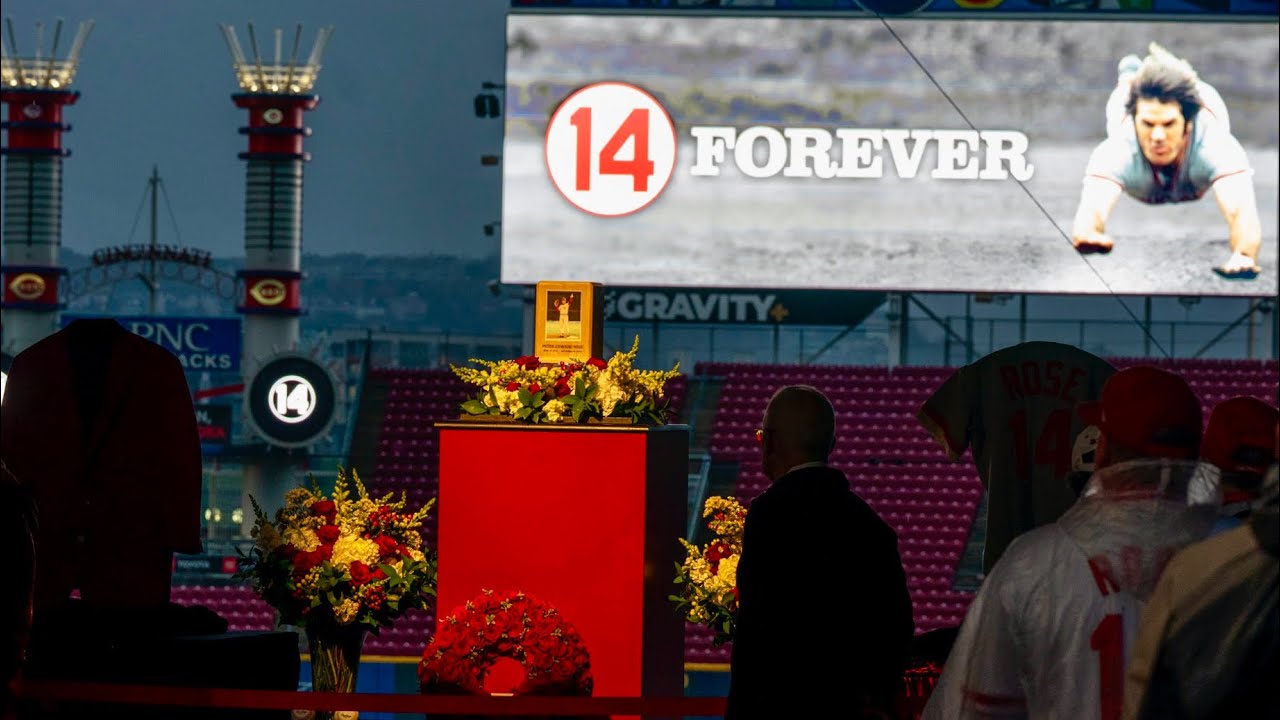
276, 91
35, 87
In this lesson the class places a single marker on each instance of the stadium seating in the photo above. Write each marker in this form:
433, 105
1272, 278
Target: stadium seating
238, 604
891, 461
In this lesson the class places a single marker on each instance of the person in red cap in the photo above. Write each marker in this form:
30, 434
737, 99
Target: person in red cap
1240, 442
1145, 412
1047, 634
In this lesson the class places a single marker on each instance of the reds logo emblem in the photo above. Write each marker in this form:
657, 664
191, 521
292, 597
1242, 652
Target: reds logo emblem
28, 286
272, 116
268, 291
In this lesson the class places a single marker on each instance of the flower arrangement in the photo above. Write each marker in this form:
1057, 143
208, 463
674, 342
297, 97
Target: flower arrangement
328, 562
530, 390
709, 574
494, 625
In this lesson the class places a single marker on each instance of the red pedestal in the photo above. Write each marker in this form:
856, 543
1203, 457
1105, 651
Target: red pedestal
586, 518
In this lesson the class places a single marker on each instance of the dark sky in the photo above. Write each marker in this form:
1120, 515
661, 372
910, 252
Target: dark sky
395, 152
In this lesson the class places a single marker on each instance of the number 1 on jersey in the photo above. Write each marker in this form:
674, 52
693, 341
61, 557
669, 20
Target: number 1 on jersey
1108, 641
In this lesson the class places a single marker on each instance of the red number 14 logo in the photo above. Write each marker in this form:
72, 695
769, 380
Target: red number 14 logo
611, 149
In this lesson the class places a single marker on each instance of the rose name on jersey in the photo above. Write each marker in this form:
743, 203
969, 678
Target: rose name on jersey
1042, 378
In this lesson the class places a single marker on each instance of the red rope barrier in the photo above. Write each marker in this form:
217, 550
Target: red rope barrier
110, 693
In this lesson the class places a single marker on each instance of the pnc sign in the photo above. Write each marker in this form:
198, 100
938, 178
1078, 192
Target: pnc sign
201, 343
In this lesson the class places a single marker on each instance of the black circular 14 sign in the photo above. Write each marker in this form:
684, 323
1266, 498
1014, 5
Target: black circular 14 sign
292, 401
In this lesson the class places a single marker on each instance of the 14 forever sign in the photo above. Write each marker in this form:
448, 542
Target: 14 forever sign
611, 149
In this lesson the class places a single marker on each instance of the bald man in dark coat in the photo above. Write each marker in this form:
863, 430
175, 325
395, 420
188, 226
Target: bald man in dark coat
824, 619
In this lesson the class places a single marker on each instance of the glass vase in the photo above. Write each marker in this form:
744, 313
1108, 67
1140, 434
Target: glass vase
335, 662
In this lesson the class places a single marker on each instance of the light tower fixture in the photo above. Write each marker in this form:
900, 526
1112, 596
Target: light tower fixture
278, 76
38, 71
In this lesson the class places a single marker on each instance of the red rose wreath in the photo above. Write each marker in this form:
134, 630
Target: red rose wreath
494, 625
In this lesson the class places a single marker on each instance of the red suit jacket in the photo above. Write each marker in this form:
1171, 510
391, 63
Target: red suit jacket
99, 424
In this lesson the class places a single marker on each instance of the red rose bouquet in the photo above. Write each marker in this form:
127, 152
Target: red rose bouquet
470, 639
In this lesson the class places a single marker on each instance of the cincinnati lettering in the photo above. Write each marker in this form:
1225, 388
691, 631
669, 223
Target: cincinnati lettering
162, 253
762, 151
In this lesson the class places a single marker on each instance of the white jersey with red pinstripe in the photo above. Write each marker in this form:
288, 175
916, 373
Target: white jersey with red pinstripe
1049, 633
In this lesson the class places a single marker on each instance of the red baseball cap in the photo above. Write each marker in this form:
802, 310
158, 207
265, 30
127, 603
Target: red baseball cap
1241, 435
1148, 410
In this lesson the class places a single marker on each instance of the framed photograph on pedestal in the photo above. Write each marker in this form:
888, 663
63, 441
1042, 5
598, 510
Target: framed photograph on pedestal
568, 321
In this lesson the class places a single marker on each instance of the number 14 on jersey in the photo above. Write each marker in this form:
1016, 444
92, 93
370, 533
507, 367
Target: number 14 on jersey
611, 149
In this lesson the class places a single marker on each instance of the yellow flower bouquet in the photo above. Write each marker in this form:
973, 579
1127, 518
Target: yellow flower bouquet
530, 390
709, 574
350, 559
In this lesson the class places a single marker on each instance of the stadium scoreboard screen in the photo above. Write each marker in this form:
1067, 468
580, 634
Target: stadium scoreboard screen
858, 154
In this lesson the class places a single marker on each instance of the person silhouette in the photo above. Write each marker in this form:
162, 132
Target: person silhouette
100, 429
811, 545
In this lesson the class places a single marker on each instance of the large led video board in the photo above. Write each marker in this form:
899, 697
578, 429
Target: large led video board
908, 155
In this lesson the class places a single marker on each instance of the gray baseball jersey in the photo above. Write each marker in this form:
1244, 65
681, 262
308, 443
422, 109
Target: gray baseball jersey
1016, 409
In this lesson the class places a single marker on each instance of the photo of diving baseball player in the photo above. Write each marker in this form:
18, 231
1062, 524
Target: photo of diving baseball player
1169, 141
